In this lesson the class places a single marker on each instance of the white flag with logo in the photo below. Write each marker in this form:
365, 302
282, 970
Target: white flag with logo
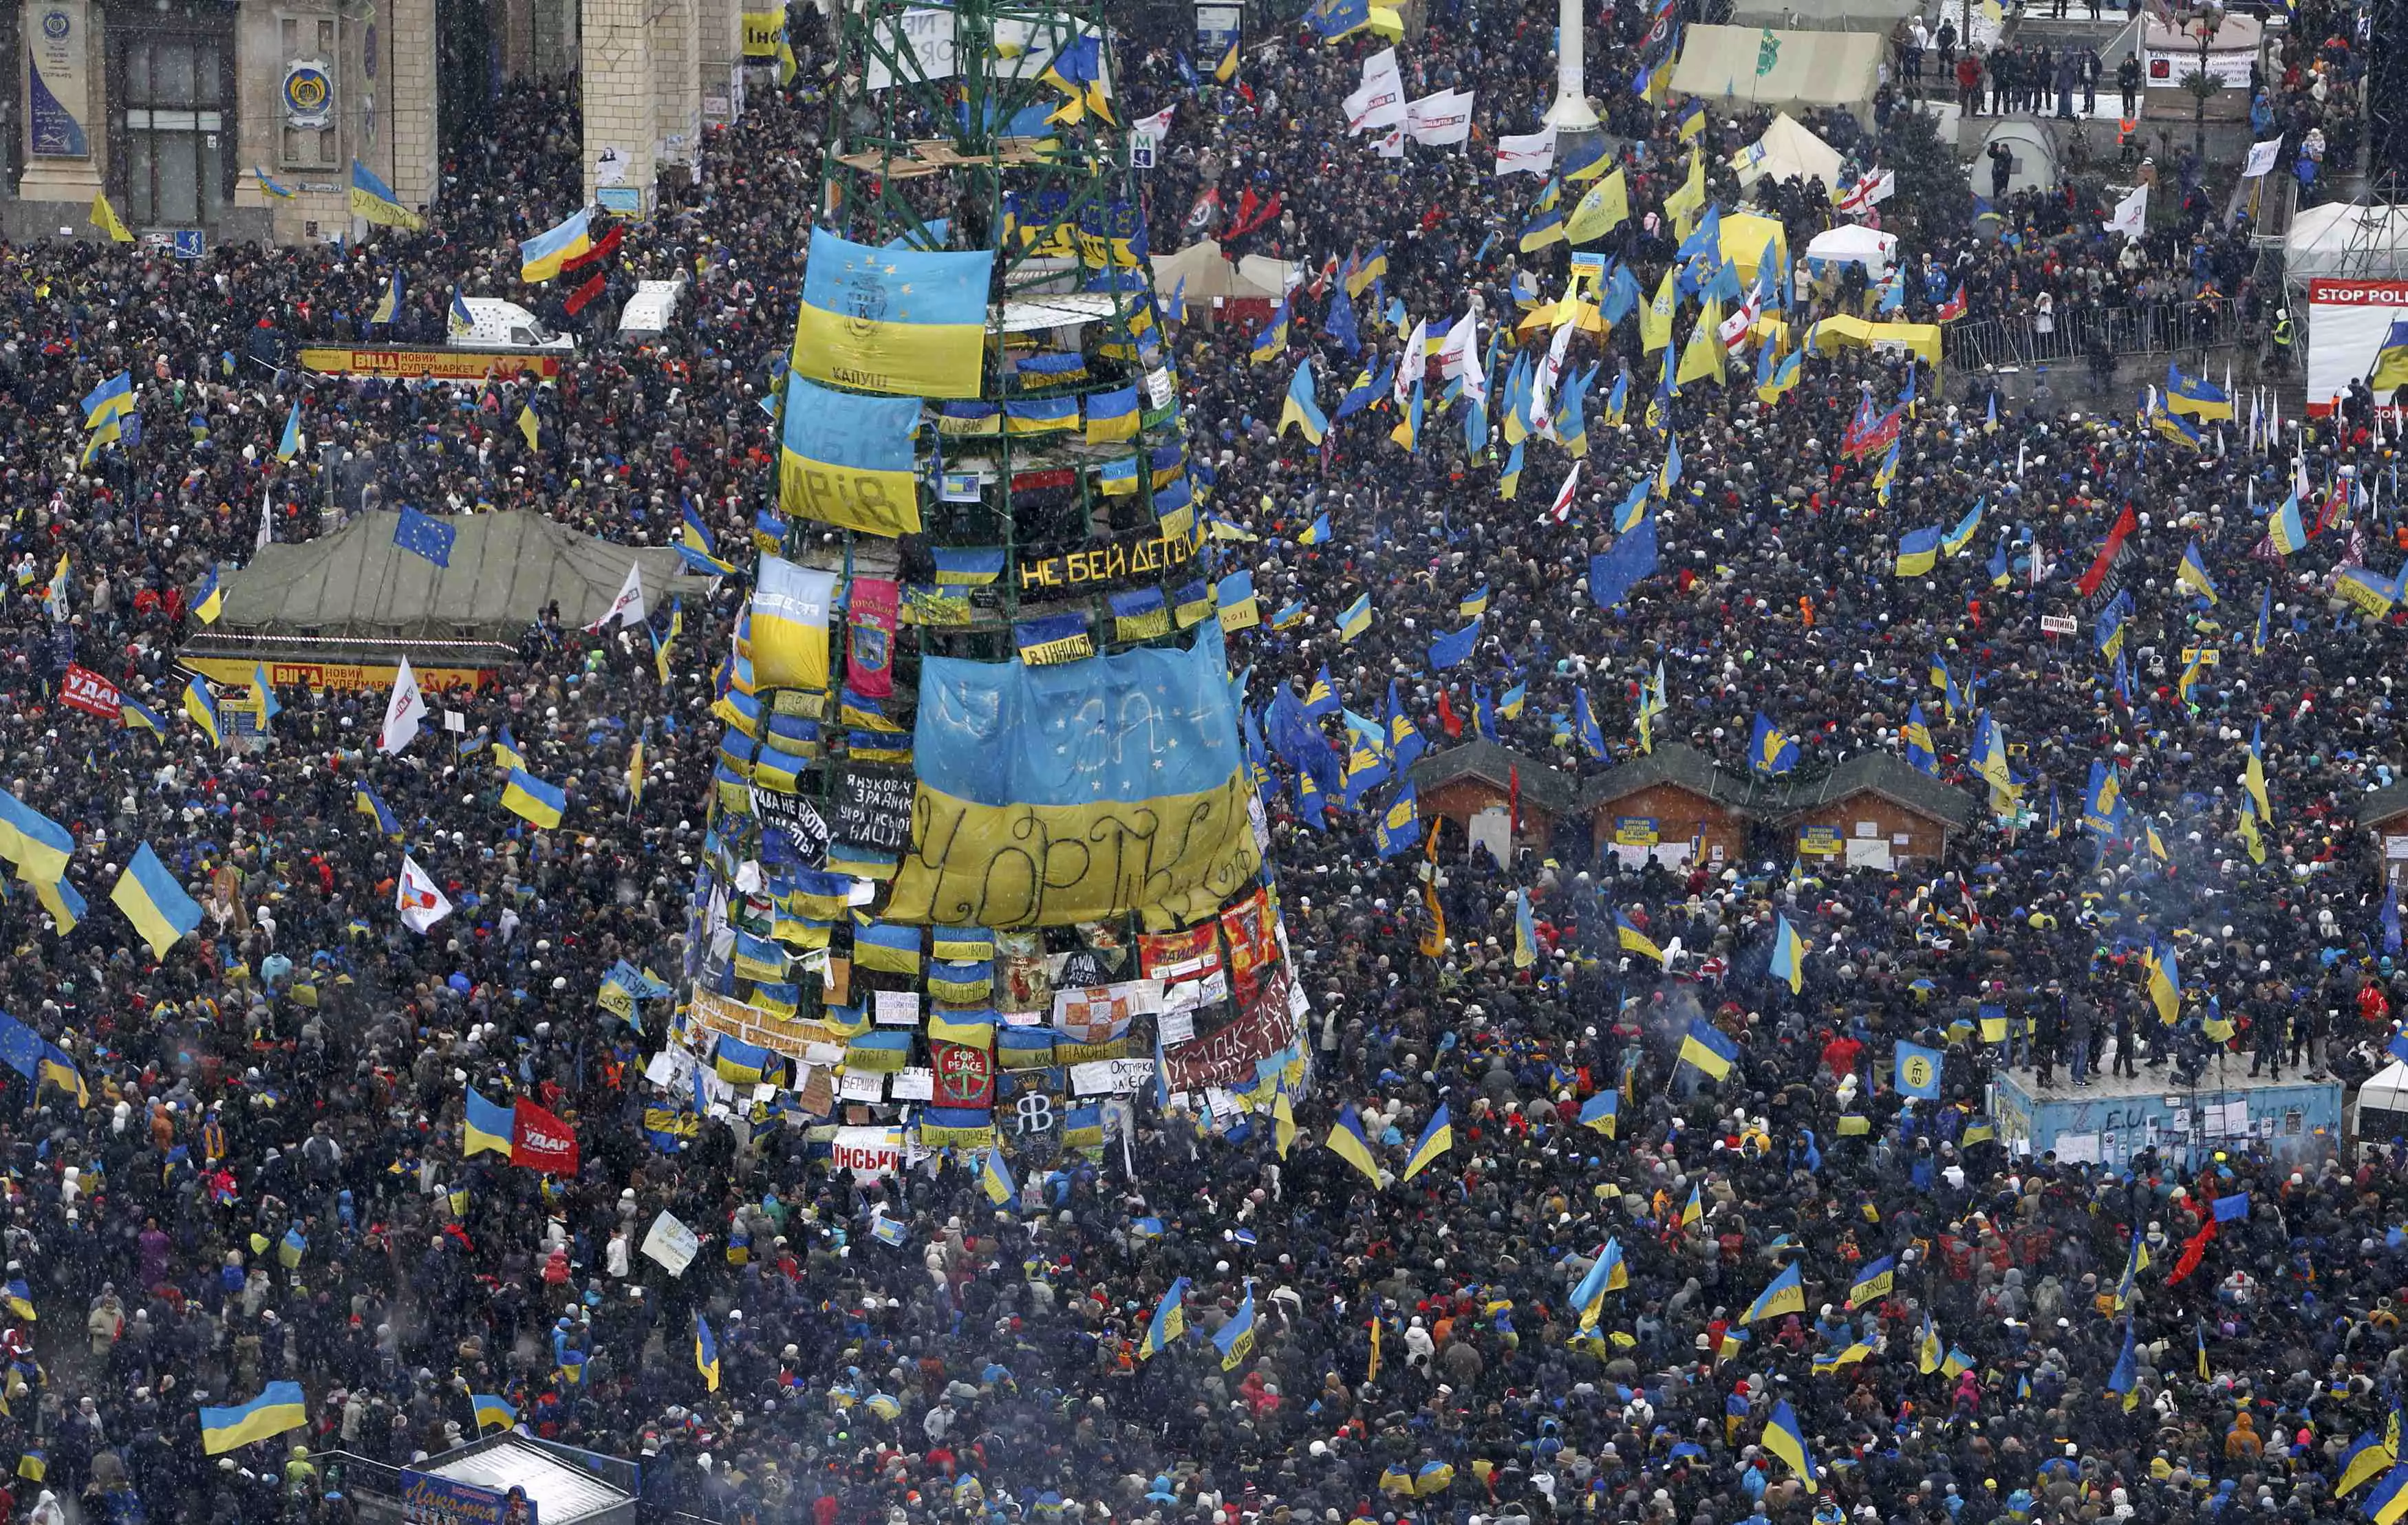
1459, 354
628, 607
1534, 154
1413, 364
2131, 214
420, 903
402, 712
1156, 126
1442, 119
2262, 157
1378, 101
1390, 143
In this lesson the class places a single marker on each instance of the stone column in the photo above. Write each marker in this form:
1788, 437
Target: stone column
615, 45
412, 110
721, 27
676, 27
66, 141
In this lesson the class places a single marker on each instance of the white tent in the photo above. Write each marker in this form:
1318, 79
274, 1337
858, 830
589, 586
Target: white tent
1208, 274
1826, 15
1788, 152
1853, 243
1782, 70
2033, 165
2348, 242
2382, 1112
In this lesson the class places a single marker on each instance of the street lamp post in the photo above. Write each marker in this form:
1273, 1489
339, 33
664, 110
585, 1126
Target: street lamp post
2202, 22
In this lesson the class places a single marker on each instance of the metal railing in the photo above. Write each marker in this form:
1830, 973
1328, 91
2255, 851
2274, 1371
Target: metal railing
2154, 329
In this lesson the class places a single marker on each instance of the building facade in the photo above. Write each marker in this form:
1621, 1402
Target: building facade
190, 115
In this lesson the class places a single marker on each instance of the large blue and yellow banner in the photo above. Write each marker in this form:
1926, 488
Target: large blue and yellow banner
847, 459
896, 321
1054, 794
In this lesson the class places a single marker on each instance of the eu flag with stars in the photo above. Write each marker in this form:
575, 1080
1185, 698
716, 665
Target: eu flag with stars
423, 534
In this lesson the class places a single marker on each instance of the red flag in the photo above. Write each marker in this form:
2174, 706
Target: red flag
1514, 803
587, 292
541, 1141
2125, 524
2193, 1248
1449, 719
1953, 307
91, 692
603, 249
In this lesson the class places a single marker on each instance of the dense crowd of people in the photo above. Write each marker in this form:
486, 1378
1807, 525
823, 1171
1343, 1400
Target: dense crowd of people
1424, 1350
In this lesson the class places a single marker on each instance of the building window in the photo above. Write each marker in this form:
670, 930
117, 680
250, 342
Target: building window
175, 127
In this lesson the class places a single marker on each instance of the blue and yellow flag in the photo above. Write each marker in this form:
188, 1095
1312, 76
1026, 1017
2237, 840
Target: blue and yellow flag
540, 258
1916, 736
903, 322
2391, 359
1347, 1142
847, 461
279, 1408
152, 899
531, 799
1705, 1047
1235, 1340
705, 1353
1785, 1293
1788, 956
1436, 1140
2195, 395
492, 1408
2192, 574
995, 1179
486, 1126
1302, 410
203, 708
1873, 1280
1168, 1322
1354, 618
1918, 552
2285, 529
373, 201
998, 778
1771, 750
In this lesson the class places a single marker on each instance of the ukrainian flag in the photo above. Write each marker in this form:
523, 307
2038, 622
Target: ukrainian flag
203, 709
1872, 1281
1785, 1293
887, 947
1783, 1439
488, 1127
65, 903
373, 201
1635, 941
1956, 540
38, 846
2285, 530
1354, 618
1169, 1321
906, 323
2389, 1499
210, 599
2192, 574
1918, 552
2374, 1453
1436, 1140
1347, 1142
111, 400
2195, 395
542, 256
995, 1179
705, 1353
531, 799
1788, 956
849, 461
1272, 340
1601, 1111
1235, 1341
387, 306
56, 1068
369, 805
2391, 359
154, 901
1111, 416
1916, 736
492, 1409
1304, 411
1709, 1050
275, 1410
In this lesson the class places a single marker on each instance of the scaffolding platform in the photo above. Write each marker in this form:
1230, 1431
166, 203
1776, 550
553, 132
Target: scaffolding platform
2115, 1118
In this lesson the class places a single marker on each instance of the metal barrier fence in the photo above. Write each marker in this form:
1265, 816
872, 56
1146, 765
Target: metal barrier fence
2156, 328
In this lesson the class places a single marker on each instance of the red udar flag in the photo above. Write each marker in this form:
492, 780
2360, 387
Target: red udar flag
91, 692
541, 1141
